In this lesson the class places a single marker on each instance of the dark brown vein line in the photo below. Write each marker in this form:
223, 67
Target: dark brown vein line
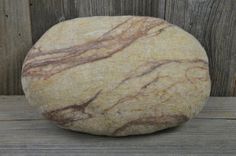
135, 96
153, 65
156, 79
104, 47
159, 31
59, 116
73, 49
124, 99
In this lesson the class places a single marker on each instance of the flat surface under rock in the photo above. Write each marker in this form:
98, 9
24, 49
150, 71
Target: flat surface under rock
26, 133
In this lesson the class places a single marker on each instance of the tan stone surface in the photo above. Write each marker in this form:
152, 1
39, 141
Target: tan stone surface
117, 76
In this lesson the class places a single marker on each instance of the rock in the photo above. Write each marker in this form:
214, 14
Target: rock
117, 76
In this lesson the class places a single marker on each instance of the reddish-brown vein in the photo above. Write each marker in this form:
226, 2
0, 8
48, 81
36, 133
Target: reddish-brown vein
61, 118
153, 65
131, 30
149, 70
135, 96
153, 81
192, 80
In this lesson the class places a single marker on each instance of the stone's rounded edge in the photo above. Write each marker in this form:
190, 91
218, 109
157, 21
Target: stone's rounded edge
62, 118
165, 122
159, 123
81, 19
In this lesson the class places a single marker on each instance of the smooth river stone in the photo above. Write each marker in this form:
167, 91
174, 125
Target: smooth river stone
117, 76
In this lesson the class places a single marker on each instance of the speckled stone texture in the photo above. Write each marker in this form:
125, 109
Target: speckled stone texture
117, 76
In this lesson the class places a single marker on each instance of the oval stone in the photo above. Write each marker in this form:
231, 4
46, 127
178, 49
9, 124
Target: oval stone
117, 76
